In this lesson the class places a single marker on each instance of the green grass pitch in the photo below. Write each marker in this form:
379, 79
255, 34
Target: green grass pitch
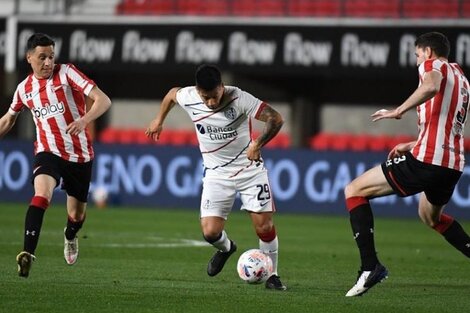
141, 260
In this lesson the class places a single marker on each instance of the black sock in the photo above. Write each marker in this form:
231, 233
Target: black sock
32, 226
73, 228
457, 237
362, 223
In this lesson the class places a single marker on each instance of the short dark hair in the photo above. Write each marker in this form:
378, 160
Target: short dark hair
208, 77
438, 43
39, 39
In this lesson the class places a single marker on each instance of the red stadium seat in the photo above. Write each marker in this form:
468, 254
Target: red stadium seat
360, 142
198, 7
372, 8
258, 8
108, 135
379, 143
321, 141
180, 137
430, 8
314, 7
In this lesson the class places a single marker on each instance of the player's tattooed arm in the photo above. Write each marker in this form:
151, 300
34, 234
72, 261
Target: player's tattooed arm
273, 123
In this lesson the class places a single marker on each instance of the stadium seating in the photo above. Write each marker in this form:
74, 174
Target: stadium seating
305, 8
360, 142
372, 8
175, 137
300, 8
431, 8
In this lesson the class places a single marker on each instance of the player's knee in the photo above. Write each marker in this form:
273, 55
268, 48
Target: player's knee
349, 191
211, 237
266, 232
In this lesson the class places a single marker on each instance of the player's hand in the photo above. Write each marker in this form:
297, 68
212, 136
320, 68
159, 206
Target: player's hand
154, 130
254, 152
76, 127
399, 150
382, 114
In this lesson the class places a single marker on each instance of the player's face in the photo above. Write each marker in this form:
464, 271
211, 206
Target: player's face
41, 60
212, 98
422, 54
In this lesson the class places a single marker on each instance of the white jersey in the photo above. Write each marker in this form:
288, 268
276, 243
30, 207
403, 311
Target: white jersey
224, 133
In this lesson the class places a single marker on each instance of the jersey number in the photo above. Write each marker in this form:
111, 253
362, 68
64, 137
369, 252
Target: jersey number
264, 193
462, 114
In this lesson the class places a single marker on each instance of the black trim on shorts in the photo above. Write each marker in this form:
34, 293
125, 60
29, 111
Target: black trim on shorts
408, 176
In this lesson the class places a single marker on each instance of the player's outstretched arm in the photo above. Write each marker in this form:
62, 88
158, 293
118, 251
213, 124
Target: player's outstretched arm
427, 90
273, 123
156, 125
6, 123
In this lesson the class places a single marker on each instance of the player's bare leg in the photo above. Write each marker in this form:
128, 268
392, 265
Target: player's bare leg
214, 233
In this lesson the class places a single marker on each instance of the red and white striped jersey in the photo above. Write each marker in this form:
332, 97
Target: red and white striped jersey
441, 120
55, 102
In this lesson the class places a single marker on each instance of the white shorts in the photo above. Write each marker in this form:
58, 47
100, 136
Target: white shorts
218, 194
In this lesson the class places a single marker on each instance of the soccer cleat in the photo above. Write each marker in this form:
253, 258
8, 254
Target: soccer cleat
24, 260
367, 280
70, 250
274, 282
217, 262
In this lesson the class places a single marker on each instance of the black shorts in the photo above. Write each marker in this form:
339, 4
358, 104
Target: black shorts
408, 176
76, 177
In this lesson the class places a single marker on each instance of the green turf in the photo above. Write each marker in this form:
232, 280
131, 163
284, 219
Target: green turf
130, 261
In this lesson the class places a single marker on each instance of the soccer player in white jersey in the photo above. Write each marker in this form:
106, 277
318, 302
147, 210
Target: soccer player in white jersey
431, 165
55, 94
232, 160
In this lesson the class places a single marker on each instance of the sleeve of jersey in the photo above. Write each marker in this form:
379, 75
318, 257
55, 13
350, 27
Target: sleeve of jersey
17, 104
251, 105
432, 65
78, 80
182, 96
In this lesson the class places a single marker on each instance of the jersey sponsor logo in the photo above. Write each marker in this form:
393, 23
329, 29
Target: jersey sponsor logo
49, 111
217, 133
200, 129
197, 113
230, 113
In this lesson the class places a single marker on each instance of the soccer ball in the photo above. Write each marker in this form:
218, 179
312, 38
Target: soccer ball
254, 266
100, 196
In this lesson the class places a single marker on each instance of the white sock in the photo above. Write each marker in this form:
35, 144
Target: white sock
271, 248
223, 244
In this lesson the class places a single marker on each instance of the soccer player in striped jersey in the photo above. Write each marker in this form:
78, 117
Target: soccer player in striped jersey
430, 165
56, 95
232, 160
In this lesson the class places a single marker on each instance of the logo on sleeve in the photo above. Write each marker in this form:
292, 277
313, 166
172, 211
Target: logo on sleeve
49, 110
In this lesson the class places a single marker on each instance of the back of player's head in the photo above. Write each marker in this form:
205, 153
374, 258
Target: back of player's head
438, 43
208, 77
39, 39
